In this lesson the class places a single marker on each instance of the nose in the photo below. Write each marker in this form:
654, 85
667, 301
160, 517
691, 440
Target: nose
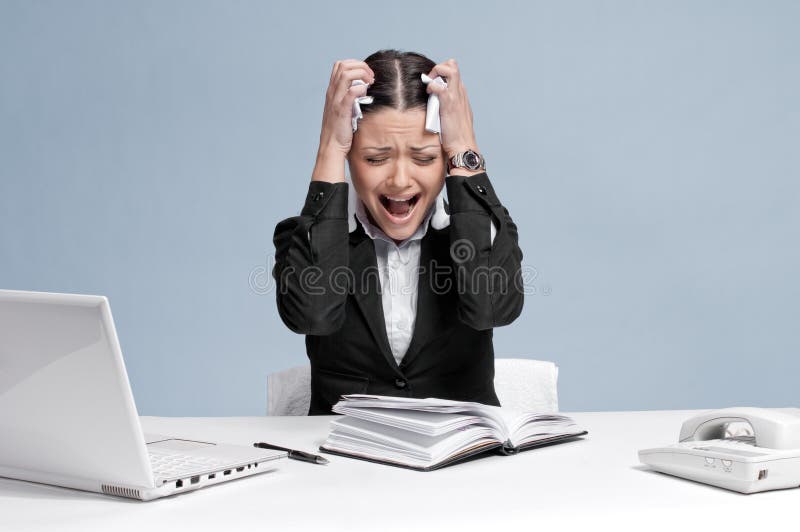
401, 178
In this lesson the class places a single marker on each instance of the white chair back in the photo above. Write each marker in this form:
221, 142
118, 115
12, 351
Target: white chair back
520, 384
289, 392
526, 385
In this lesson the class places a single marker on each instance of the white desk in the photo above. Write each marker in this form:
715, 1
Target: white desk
594, 482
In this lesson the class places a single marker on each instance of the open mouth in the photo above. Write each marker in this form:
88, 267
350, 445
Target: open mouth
398, 207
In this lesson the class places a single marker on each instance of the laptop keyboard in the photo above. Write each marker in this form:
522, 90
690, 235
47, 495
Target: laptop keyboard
171, 464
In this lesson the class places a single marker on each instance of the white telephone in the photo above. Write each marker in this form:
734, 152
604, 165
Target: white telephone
742, 449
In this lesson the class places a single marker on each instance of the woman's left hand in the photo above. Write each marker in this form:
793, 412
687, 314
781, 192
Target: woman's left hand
455, 113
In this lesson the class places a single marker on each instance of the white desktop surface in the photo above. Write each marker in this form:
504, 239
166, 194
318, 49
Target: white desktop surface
595, 482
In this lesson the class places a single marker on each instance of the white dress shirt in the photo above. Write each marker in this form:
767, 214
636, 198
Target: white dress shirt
398, 265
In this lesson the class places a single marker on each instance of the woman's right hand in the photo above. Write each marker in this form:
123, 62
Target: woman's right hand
336, 136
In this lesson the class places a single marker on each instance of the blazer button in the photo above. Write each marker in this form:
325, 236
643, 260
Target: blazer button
480, 189
400, 384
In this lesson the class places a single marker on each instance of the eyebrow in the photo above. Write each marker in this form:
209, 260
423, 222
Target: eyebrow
388, 148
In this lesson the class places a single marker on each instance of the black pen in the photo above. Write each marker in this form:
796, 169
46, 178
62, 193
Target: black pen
296, 455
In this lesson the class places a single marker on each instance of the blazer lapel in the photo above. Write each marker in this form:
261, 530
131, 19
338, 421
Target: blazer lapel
366, 289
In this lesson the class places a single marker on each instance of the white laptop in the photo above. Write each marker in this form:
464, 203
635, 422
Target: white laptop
67, 415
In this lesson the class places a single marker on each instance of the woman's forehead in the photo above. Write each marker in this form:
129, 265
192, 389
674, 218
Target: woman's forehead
390, 128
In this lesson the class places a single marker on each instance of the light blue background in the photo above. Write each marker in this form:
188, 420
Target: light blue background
648, 152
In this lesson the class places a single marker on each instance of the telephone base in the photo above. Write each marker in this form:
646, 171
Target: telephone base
729, 464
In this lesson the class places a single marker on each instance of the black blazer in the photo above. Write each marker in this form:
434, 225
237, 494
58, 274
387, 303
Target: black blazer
328, 288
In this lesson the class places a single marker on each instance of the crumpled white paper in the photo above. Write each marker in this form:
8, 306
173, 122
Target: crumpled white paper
432, 121
357, 104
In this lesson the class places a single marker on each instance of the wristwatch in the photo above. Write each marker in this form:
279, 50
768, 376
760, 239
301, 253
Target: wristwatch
471, 160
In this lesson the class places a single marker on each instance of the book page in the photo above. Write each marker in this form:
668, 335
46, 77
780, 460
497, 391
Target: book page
414, 414
531, 427
370, 437
422, 422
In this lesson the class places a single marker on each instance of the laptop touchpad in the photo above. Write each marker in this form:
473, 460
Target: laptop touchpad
179, 445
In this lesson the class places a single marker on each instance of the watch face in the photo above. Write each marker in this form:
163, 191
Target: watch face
472, 160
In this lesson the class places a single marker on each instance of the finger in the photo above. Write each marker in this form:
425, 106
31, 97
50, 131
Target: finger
329, 91
348, 64
365, 73
446, 70
334, 69
346, 77
365, 66
354, 91
338, 66
343, 64
362, 64
436, 88
345, 82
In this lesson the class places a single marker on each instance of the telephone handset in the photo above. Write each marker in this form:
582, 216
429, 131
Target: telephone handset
744, 449
771, 428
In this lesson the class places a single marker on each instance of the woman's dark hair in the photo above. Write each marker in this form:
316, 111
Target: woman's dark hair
397, 81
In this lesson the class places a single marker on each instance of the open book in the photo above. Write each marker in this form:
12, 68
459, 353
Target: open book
426, 434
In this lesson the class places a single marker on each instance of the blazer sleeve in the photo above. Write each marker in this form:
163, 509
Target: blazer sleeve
311, 259
488, 271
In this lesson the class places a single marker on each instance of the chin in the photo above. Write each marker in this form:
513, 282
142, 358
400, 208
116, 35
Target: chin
400, 235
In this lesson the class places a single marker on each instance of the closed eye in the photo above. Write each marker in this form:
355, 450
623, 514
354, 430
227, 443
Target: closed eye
379, 161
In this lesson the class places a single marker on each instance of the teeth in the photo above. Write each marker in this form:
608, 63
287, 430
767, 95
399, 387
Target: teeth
398, 199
